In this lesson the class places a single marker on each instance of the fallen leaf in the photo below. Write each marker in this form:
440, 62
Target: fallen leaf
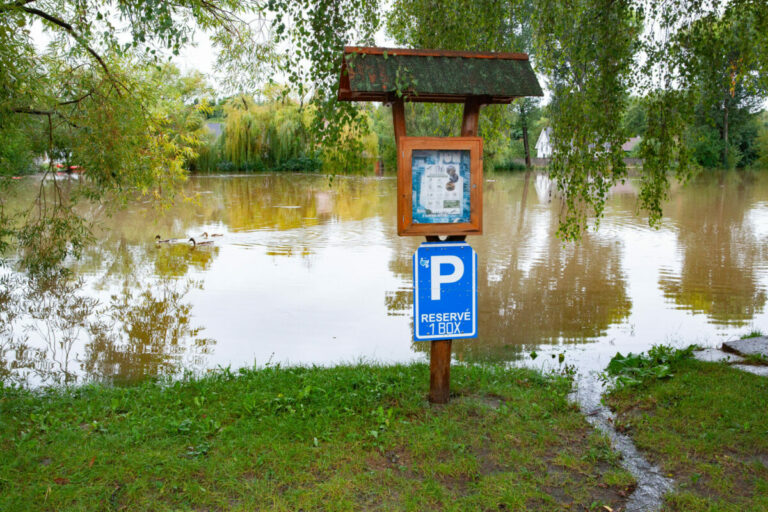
93, 459
61, 481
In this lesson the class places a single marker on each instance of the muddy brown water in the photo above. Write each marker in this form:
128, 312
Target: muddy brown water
310, 270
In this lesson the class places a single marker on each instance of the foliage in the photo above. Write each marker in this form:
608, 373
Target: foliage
634, 121
465, 25
509, 165
638, 369
316, 32
276, 135
762, 141
289, 438
589, 72
259, 136
718, 52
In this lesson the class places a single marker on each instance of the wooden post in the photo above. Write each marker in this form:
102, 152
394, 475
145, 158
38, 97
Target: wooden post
440, 371
440, 351
398, 120
471, 117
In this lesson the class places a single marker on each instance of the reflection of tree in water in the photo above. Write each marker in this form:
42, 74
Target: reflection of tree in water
139, 334
568, 292
49, 311
571, 293
12, 342
177, 259
720, 254
146, 333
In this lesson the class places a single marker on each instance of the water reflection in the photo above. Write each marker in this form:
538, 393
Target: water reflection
720, 253
534, 288
310, 270
44, 322
146, 332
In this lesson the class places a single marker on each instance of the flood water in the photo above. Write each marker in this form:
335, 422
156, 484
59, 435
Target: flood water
310, 270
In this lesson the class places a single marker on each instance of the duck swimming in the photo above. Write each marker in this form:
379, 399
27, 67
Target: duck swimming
212, 235
201, 243
160, 240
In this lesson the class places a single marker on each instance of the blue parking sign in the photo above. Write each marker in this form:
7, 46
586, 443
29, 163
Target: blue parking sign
444, 291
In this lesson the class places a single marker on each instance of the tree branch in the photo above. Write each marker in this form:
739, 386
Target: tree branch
39, 112
69, 28
78, 100
15, 5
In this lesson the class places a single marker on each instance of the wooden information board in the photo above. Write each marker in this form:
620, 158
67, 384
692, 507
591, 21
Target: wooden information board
440, 186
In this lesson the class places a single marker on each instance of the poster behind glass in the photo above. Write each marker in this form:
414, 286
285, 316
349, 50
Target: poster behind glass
440, 186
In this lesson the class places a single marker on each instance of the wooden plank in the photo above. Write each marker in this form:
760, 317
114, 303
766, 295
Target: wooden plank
398, 118
375, 50
403, 186
345, 94
440, 371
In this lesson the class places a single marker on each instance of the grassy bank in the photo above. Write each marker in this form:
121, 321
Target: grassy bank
707, 426
345, 438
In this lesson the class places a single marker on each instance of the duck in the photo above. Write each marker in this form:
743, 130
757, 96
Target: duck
212, 235
201, 243
161, 240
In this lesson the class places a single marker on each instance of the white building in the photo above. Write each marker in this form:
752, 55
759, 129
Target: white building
544, 144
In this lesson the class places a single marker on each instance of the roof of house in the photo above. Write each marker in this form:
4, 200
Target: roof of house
544, 136
442, 76
215, 128
631, 143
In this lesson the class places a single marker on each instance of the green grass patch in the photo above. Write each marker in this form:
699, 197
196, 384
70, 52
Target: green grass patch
707, 427
345, 438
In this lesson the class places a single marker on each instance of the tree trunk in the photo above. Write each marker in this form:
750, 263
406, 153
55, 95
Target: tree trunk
725, 136
525, 145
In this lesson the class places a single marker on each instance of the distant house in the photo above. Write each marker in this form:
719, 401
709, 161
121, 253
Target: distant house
215, 128
544, 144
631, 144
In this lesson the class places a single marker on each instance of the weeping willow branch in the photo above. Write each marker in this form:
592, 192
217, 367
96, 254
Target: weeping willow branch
77, 37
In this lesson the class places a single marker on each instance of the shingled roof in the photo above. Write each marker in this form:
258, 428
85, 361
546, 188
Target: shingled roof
441, 76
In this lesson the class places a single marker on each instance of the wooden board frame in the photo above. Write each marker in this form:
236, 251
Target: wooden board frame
405, 148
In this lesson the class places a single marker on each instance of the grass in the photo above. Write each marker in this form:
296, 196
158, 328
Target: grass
707, 427
345, 438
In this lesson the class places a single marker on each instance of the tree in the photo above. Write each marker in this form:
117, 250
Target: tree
99, 100
717, 51
90, 83
526, 108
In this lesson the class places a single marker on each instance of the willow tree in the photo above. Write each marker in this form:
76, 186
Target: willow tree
268, 135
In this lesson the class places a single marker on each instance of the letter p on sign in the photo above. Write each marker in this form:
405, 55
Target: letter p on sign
437, 278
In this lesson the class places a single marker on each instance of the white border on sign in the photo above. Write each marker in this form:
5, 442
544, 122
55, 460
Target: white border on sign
416, 323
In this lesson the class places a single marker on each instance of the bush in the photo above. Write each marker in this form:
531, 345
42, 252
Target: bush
638, 369
509, 165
